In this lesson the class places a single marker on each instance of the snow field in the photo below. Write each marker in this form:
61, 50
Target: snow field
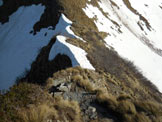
128, 43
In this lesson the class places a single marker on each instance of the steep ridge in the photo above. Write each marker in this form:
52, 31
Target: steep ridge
40, 39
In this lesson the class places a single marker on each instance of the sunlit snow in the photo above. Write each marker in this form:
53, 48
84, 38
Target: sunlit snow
130, 42
77, 55
153, 13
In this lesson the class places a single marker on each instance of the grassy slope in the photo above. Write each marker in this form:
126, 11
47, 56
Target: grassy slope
31, 103
28, 102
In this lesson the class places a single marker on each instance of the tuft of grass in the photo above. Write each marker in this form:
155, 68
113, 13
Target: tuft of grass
126, 107
141, 117
83, 83
123, 97
67, 110
109, 100
40, 113
149, 107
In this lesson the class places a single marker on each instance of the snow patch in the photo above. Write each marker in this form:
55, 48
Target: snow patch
77, 55
63, 28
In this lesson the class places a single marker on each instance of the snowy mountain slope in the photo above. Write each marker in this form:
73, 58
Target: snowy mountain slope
132, 36
19, 48
133, 29
90, 60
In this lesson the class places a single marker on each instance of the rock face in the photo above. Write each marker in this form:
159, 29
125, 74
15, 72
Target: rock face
72, 61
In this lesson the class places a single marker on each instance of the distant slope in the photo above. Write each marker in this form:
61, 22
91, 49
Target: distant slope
135, 33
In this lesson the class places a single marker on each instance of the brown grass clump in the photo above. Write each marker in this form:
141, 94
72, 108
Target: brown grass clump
123, 97
40, 113
85, 83
107, 99
126, 107
149, 107
59, 109
67, 110
141, 117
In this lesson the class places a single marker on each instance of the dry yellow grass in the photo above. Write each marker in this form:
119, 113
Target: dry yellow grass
151, 107
126, 107
40, 113
123, 97
141, 117
85, 83
108, 99
67, 110
59, 109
